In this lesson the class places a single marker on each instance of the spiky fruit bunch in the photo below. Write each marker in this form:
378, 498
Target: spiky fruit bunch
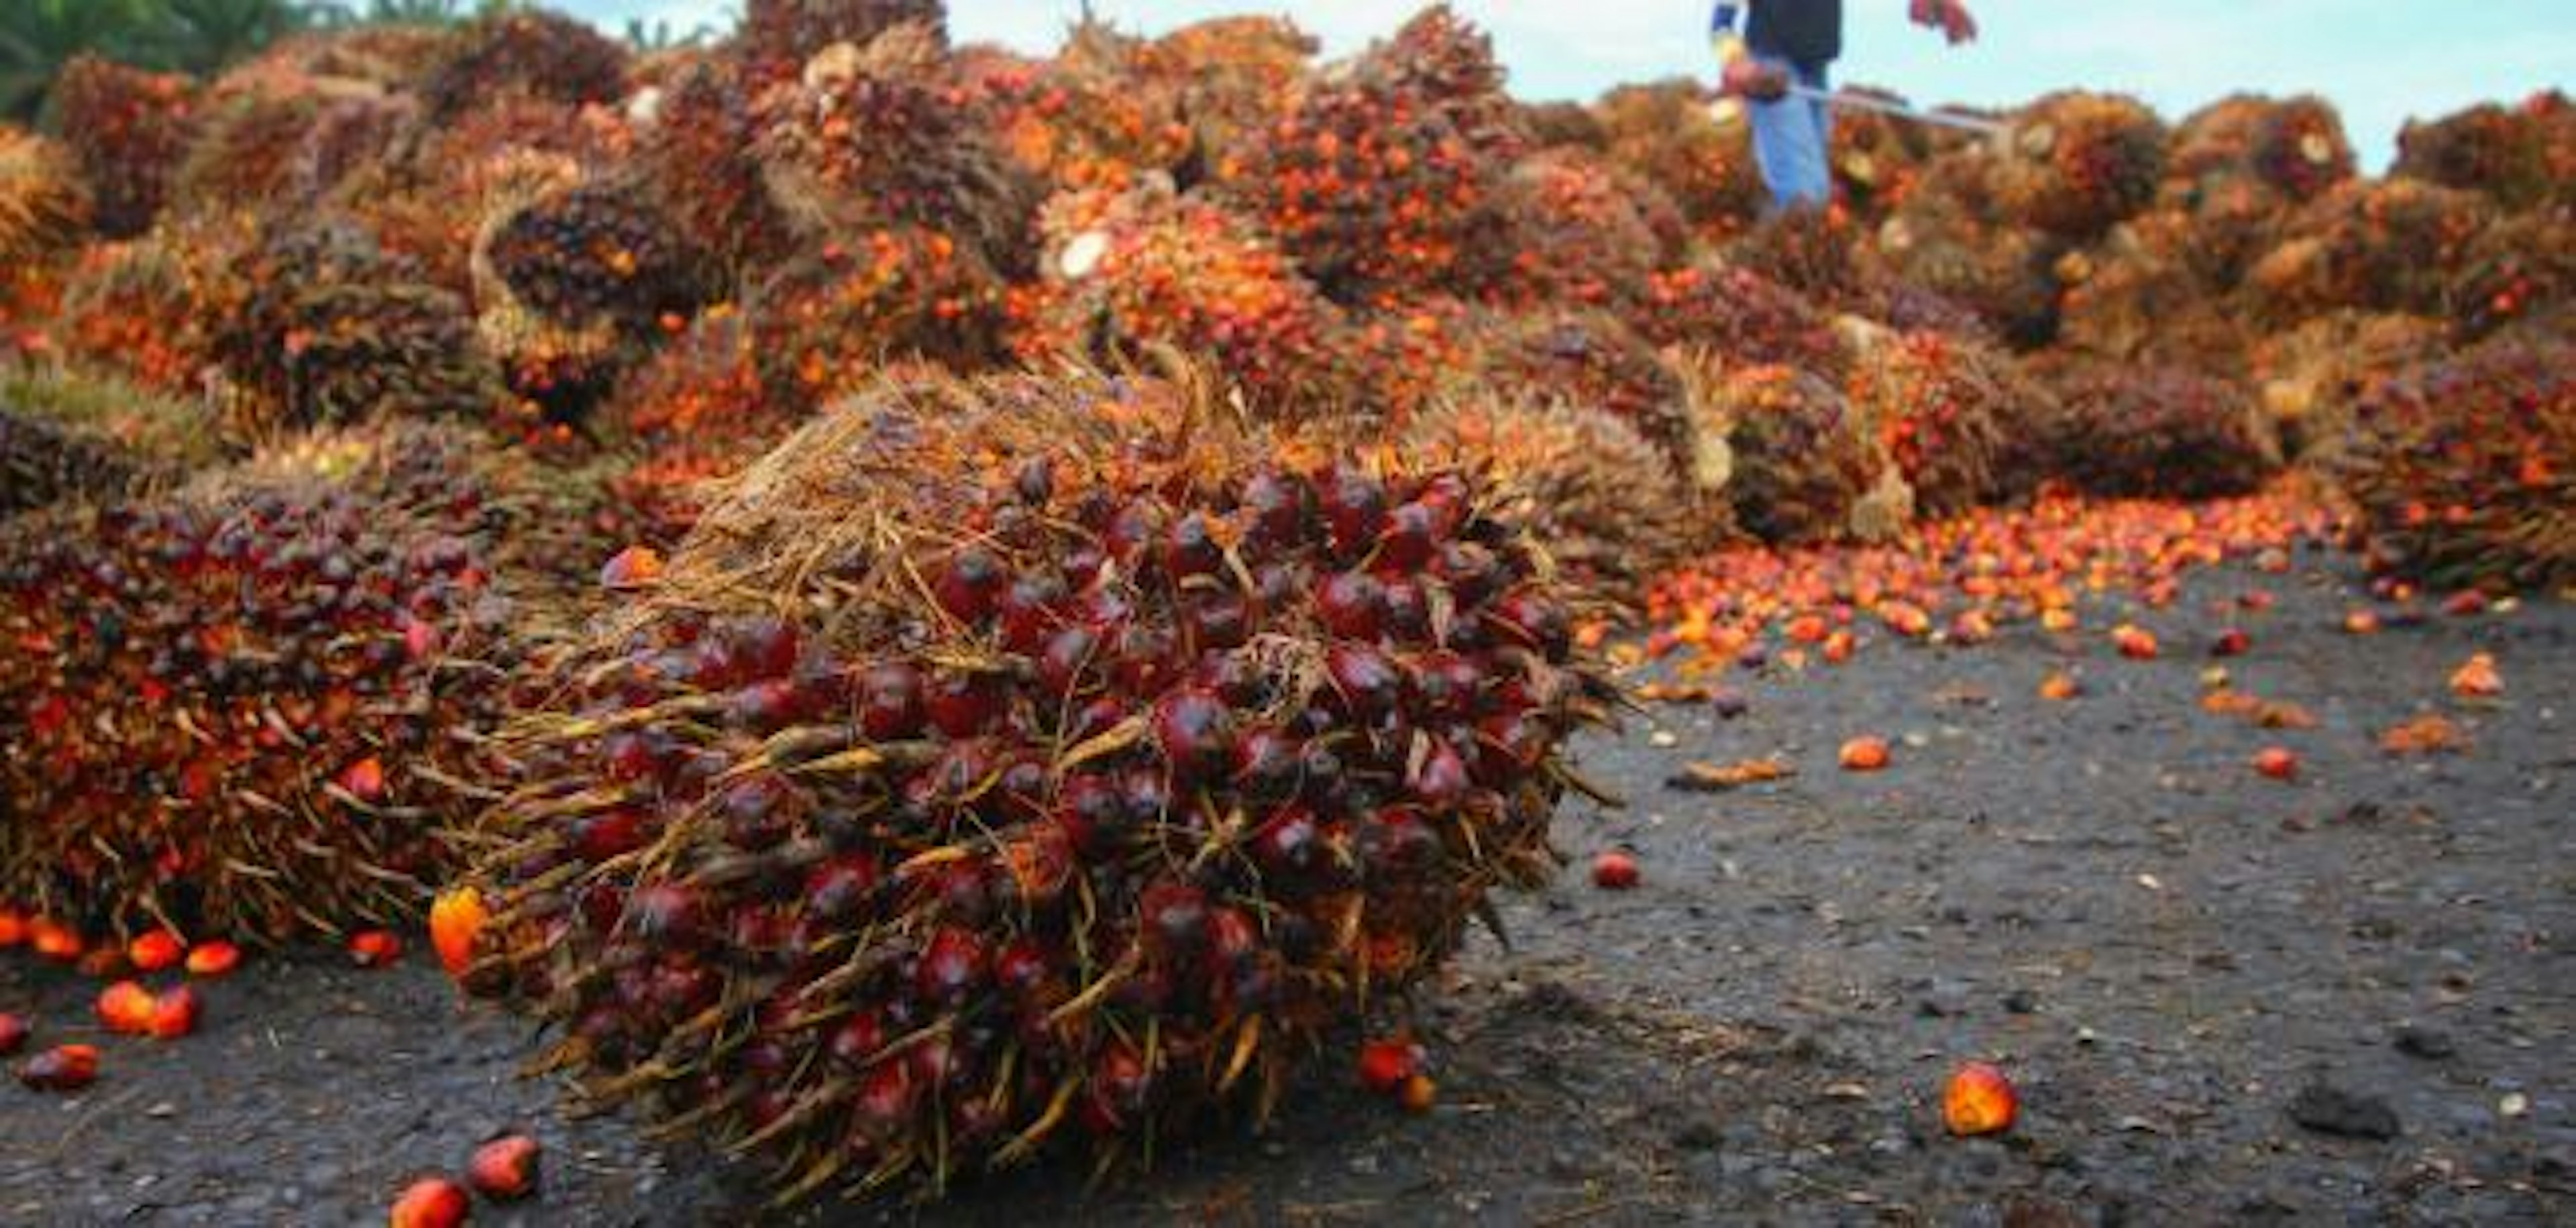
433, 196
1941, 407
2075, 163
825, 323
244, 708
127, 129
2464, 473
148, 308
2521, 268
1741, 315
2294, 146
331, 329
1053, 768
1380, 180
1939, 240
696, 145
1799, 463
69, 434
2315, 376
1606, 504
2151, 431
1236, 76
1581, 230
2386, 245
245, 153
1585, 358
2524, 156
531, 53
1091, 116
778, 36
2140, 295
595, 253
1814, 252
43, 205
871, 138
1665, 132
1126, 273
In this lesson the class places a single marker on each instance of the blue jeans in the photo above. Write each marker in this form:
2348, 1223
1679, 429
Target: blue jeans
1790, 138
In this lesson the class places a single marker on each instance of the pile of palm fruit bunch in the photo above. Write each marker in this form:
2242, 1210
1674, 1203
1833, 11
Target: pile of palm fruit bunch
44, 206
2161, 430
1666, 133
68, 436
128, 130
1059, 794
249, 706
1611, 507
2463, 472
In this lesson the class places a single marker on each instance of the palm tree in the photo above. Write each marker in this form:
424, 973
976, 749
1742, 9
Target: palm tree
203, 36
37, 37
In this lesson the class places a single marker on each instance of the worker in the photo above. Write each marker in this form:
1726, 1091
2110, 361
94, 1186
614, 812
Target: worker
1788, 43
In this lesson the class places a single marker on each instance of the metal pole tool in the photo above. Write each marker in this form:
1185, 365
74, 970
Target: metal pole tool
1863, 102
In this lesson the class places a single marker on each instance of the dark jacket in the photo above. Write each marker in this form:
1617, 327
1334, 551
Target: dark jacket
1805, 32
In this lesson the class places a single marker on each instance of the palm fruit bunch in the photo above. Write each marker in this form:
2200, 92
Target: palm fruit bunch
2313, 377
43, 205
247, 707
1021, 766
1875, 157
1814, 252
1582, 231
1381, 178
1126, 273
2522, 268
1403, 356
1740, 314
778, 37
1942, 238
2524, 156
2383, 245
1607, 505
2157, 430
525, 52
1797, 463
127, 130
2293, 146
245, 152
328, 328
1665, 132
148, 308
2464, 473
2139, 294
1090, 116
695, 144
2075, 164
872, 138
1588, 358
823, 322
435, 192
1941, 408
1236, 76
70, 435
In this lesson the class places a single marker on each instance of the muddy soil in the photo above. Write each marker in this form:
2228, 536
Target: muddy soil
2166, 951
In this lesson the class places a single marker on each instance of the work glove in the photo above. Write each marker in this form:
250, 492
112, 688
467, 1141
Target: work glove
1948, 16
1746, 77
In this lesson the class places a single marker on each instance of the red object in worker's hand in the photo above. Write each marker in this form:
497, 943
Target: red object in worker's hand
1751, 78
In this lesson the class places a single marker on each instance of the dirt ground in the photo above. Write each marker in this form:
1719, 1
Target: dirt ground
2165, 950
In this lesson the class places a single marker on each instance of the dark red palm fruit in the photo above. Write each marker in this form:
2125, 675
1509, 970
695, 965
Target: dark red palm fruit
1189, 550
1363, 678
1289, 845
1145, 794
1386, 1063
1266, 763
855, 1041
1195, 731
504, 1169
1282, 508
890, 702
952, 966
1135, 530
939, 1063
1408, 612
1441, 780
1353, 503
763, 647
1023, 969
1508, 745
1032, 611
962, 705
2231, 642
1533, 621
839, 888
634, 754
759, 811
971, 584
13, 1033
1232, 942
1449, 685
63, 1068
1114, 1096
665, 913
1219, 621
1141, 660
1352, 605
1172, 921
884, 1107
1471, 571
1409, 538
1067, 655
1446, 496
1092, 813
610, 833
964, 891
768, 705
681, 986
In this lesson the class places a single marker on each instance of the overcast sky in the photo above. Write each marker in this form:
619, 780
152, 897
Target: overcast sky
2378, 61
